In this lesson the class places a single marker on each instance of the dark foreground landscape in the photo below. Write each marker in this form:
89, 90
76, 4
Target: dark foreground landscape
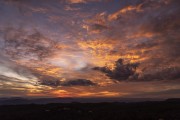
157, 110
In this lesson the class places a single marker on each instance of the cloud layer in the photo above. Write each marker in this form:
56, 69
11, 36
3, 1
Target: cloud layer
68, 45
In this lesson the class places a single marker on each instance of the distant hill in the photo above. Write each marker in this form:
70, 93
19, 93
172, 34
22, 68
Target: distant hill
19, 100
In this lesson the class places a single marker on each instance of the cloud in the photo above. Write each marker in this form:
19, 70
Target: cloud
55, 82
125, 10
76, 1
78, 82
70, 8
15, 1
170, 93
149, 30
165, 74
20, 44
97, 23
162, 49
22, 5
27, 50
48, 81
28, 8
97, 28
75, 35
12, 87
40, 10
99, 94
121, 71
10, 68
81, 1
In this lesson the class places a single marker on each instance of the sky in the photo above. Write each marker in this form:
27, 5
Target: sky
90, 48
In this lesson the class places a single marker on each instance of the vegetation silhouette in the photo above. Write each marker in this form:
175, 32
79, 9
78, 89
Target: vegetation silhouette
157, 110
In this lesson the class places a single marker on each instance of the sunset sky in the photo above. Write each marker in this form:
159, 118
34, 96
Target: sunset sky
90, 48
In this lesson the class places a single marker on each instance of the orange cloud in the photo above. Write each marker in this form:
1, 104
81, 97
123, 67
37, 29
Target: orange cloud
76, 1
99, 94
61, 93
125, 10
81, 1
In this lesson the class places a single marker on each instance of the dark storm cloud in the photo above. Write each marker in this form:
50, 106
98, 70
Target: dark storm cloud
19, 44
128, 72
48, 80
54, 82
121, 71
78, 82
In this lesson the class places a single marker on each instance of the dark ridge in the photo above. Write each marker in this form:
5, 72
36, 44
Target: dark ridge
153, 110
